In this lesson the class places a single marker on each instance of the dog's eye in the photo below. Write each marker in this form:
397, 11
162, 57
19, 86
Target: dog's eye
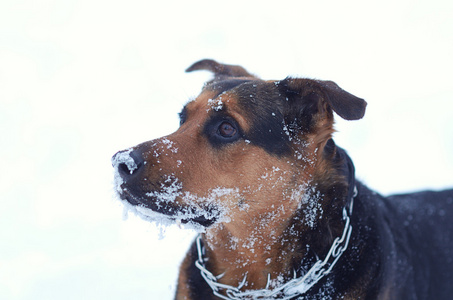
227, 130
222, 130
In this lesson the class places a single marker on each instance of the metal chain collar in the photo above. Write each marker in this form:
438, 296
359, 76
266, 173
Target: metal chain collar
294, 287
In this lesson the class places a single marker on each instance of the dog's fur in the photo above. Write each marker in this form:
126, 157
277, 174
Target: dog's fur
253, 164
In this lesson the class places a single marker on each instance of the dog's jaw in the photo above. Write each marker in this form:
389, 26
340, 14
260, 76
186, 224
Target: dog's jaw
157, 207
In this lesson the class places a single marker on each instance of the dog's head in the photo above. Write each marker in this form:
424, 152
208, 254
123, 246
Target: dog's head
246, 149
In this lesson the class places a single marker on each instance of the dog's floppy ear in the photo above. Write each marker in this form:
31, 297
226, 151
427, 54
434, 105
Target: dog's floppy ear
346, 105
219, 69
322, 96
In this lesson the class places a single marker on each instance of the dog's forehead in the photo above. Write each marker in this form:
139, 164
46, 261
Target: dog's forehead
235, 94
215, 91
222, 86
240, 86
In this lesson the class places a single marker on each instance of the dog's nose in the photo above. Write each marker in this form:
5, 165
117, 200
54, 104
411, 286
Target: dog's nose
128, 163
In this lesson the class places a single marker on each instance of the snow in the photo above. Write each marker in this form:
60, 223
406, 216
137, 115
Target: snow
170, 145
311, 201
195, 207
170, 189
216, 104
81, 80
125, 158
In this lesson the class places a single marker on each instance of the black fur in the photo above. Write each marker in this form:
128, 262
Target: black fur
183, 116
198, 288
221, 86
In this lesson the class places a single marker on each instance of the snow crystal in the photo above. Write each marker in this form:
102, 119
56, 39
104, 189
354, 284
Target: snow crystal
273, 283
250, 244
168, 193
234, 243
287, 132
170, 145
161, 221
216, 104
125, 158
311, 201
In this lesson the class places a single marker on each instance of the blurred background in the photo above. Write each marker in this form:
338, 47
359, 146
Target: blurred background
80, 80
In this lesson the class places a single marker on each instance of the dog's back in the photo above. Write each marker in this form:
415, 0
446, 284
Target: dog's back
422, 229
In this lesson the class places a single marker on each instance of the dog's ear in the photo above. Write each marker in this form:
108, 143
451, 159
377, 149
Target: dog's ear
322, 96
308, 107
346, 105
219, 70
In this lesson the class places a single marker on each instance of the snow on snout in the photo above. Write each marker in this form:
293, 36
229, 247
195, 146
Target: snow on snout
122, 158
169, 191
170, 145
161, 146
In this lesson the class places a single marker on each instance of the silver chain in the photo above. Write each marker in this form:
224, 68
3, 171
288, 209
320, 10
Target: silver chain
294, 287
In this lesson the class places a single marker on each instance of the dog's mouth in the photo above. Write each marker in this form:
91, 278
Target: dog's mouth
161, 207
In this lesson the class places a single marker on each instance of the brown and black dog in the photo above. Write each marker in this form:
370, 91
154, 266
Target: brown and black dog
253, 166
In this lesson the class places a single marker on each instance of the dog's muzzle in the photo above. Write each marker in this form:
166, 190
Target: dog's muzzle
156, 197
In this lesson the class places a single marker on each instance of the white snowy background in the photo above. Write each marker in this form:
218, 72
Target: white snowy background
80, 80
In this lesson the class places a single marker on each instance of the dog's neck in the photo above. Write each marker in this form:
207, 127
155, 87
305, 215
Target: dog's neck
251, 250
280, 286
270, 253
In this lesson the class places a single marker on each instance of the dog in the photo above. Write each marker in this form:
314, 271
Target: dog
254, 169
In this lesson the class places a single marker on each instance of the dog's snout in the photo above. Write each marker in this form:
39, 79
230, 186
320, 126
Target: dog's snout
128, 163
